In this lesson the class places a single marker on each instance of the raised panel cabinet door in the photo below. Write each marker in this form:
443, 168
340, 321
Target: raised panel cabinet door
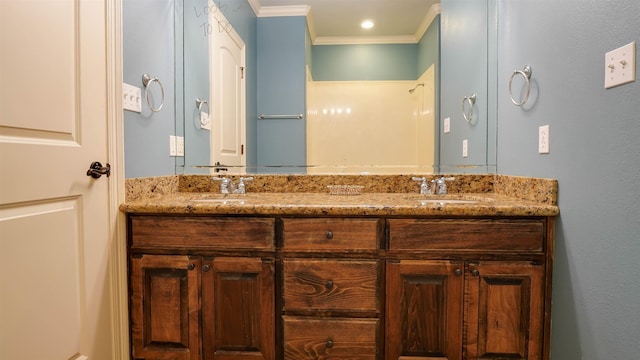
424, 310
504, 310
238, 309
164, 307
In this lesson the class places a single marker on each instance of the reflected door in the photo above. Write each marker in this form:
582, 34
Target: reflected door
227, 96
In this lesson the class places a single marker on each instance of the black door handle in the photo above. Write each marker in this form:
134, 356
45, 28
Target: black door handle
96, 170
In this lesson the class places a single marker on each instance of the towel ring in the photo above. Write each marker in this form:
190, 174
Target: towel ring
146, 81
200, 104
526, 74
471, 100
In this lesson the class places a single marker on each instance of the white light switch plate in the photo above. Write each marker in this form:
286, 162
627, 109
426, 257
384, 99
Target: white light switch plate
620, 66
131, 98
447, 125
543, 139
465, 148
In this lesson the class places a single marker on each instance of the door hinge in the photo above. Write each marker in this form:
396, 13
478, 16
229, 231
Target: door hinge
241, 72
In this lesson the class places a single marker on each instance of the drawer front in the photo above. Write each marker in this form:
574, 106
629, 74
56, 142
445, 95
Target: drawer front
331, 234
330, 338
508, 235
330, 284
202, 232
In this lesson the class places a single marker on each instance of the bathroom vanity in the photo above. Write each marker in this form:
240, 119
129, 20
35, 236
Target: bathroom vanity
317, 276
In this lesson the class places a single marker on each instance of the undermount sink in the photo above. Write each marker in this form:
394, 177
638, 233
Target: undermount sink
446, 199
222, 198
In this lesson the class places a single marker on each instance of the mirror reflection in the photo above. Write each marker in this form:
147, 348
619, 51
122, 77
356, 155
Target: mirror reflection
286, 92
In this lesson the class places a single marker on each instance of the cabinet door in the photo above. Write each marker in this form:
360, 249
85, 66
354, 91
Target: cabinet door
164, 307
505, 309
424, 310
238, 309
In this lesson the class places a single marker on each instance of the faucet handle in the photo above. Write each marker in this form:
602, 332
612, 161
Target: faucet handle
441, 184
241, 188
224, 184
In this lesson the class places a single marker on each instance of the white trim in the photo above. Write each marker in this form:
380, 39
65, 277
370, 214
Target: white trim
293, 10
434, 11
117, 268
255, 6
354, 40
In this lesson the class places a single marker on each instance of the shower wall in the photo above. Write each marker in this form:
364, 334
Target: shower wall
371, 126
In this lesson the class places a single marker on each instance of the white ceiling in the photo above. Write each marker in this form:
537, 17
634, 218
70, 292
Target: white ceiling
338, 21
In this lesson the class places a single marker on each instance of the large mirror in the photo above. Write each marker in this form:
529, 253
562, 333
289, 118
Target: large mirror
315, 98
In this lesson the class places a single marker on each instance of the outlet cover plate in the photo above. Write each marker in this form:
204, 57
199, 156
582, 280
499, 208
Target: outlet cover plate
620, 66
465, 148
447, 125
543, 139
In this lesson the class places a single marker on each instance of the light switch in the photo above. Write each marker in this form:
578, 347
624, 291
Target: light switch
131, 98
172, 145
620, 66
179, 145
465, 148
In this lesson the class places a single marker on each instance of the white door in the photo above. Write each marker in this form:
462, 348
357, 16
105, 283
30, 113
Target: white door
227, 53
54, 219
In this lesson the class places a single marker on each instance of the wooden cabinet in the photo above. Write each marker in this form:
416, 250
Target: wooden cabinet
202, 288
226, 288
331, 288
466, 289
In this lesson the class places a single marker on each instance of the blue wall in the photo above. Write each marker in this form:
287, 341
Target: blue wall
146, 135
365, 62
282, 45
595, 151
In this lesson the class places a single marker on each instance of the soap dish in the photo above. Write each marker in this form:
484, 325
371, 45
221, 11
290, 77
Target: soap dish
345, 189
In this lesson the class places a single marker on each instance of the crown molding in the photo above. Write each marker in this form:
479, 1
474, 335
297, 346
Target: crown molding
360, 40
293, 10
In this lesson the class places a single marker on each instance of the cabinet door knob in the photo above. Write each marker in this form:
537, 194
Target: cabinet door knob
191, 266
458, 272
475, 272
329, 235
329, 344
206, 268
329, 284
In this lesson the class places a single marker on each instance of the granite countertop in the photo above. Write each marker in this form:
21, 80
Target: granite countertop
322, 204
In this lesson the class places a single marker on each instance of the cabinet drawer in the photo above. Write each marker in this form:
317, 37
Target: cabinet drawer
202, 232
330, 338
331, 234
330, 284
509, 235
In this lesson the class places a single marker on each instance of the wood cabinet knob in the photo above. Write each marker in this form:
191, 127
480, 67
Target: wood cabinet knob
329, 344
206, 268
475, 272
458, 272
191, 266
329, 234
329, 284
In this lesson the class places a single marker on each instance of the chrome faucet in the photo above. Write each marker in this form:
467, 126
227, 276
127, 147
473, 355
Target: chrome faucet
440, 185
424, 186
227, 186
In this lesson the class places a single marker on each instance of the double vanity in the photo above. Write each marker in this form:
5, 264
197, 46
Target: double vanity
289, 271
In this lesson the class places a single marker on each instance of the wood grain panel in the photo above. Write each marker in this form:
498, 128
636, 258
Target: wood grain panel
331, 234
512, 235
330, 338
202, 232
330, 285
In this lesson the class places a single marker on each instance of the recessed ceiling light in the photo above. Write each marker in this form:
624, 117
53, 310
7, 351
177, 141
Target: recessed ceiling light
367, 24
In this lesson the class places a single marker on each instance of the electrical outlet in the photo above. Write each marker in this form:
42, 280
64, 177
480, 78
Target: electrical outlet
465, 148
179, 145
172, 145
620, 66
447, 125
543, 139
131, 98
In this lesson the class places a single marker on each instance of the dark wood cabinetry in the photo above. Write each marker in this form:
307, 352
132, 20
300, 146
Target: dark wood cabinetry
222, 288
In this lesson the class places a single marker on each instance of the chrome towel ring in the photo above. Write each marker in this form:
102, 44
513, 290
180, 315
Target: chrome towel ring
204, 120
471, 100
146, 81
526, 74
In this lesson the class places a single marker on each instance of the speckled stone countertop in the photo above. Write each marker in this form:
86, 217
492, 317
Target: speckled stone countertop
307, 195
